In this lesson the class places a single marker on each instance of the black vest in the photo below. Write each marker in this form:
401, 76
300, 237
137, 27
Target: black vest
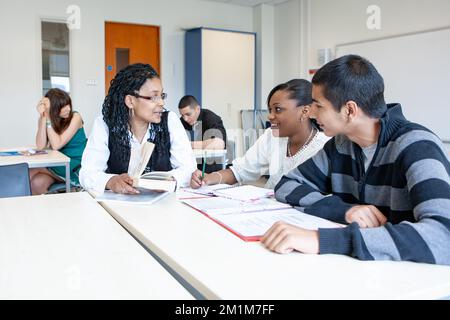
160, 159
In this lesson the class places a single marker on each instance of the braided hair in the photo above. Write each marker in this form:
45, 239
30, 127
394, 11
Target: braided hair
115, 112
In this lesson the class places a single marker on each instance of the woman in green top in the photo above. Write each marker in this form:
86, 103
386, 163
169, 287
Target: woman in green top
59, 128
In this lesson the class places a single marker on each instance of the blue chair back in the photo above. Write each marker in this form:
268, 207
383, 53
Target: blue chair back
14, 180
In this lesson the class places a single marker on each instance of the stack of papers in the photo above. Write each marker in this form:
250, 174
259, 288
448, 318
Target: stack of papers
244, 193
208, 190
234, 192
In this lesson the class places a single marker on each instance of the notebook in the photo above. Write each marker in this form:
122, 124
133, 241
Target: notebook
214, 206
251, 226
250, 220
28, 152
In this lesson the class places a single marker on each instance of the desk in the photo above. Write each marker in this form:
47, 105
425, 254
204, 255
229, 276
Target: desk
66, 246
212, 153
53, 158
222, 266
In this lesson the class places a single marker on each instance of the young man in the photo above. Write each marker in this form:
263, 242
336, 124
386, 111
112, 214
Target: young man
386, 177
205, 128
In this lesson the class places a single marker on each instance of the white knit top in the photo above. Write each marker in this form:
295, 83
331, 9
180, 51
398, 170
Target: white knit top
268, 157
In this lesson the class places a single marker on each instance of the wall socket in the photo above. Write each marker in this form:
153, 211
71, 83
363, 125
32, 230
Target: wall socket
91, 82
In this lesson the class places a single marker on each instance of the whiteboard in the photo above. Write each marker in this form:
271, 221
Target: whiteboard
416, 72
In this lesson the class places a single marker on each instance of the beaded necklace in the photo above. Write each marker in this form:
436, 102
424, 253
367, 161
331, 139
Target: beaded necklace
305, 145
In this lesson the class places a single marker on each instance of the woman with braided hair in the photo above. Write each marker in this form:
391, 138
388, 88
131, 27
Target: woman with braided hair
133, 113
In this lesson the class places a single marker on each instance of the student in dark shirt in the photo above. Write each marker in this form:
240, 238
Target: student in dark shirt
204, 127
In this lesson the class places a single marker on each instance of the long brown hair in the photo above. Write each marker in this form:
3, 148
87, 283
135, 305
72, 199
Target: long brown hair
58, 100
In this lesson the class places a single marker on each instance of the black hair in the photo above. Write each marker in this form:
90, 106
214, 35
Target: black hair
115, 112
188, 100
299, 90
354, 78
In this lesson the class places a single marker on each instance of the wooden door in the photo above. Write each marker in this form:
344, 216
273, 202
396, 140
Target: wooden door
127, 44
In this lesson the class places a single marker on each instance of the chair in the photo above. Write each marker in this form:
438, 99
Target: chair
15, 180
254, 123
60, 187
231, 152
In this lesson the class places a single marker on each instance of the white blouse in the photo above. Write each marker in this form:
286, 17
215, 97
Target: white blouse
268, 157
96, 155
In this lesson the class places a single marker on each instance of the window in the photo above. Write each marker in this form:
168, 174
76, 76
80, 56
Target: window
55, 56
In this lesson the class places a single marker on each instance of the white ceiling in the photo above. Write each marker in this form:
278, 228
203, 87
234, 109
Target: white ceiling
250, 3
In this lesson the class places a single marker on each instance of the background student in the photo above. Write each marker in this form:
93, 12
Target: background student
291, 139
386, 177
204, 127
60, 128
133, 113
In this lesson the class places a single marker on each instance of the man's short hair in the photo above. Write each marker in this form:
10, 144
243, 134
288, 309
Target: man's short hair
188, 100
352, 77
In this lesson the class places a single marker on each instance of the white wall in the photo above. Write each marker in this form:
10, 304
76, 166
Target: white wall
334, 22
20, 65
264, 27
287, 41
300, 28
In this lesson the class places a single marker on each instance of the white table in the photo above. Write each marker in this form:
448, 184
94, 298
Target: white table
66, 246
53, 158
220, 265
212, 153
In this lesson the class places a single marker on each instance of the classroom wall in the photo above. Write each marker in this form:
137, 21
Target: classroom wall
329, 22
20, 64
288, 50
287, 41
264, 27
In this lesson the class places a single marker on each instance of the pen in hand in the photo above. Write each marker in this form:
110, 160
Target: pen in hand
203, 169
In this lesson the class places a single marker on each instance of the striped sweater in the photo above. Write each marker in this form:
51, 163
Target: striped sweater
408, 180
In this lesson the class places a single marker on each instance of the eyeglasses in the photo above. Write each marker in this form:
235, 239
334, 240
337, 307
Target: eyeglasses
163, 96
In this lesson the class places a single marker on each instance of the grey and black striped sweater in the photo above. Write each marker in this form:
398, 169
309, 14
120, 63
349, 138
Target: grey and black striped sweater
408, 180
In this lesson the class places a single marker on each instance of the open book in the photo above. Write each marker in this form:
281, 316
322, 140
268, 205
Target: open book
155, 180
250, 220
152, 186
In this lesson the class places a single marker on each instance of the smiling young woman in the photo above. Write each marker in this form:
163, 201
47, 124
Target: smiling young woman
291, 139
133, 113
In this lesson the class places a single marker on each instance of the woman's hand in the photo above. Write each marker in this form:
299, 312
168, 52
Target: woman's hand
43, 107
122, 184
196, 179
209, 179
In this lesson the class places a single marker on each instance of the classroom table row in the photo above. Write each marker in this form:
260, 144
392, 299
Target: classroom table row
222, 266
54, 158
68, 247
